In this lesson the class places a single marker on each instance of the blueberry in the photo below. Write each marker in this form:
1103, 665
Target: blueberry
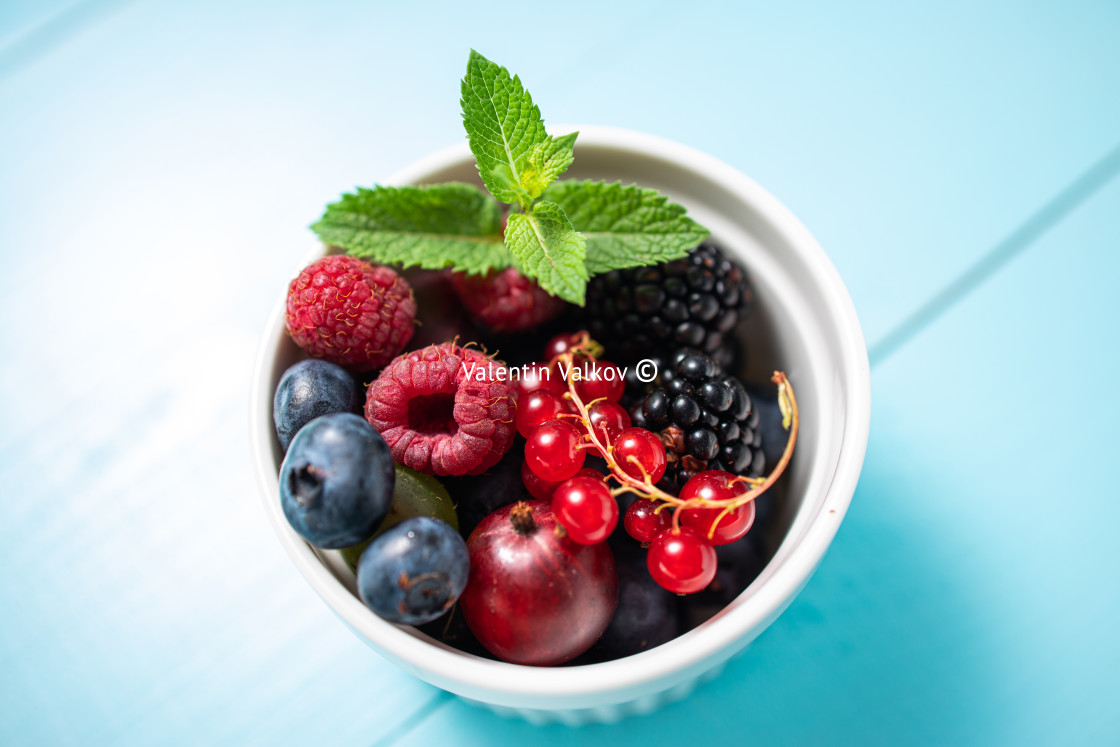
307, 390
646, 615
336, 482
414, 572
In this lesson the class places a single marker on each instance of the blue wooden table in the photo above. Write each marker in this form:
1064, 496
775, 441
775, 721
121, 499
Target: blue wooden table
159, 162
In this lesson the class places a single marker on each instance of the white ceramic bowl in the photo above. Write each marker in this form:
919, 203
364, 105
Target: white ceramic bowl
804, 323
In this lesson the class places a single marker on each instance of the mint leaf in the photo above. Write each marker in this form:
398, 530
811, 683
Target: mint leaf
547, 161
516, 157
547, 249
625, 226
440, 225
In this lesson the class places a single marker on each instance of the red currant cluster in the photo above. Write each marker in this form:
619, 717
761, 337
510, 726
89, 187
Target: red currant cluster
569, 407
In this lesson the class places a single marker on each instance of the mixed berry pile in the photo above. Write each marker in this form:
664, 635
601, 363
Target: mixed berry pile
536, 513
592, 499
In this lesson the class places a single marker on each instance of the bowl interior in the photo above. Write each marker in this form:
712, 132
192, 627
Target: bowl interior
803, 323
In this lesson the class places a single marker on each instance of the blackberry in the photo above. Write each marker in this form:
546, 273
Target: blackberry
705, 418
693, 302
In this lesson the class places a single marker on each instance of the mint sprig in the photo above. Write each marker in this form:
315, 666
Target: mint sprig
559, 233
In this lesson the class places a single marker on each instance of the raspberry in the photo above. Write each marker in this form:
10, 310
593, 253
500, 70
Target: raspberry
506, 301
444, 410
347, 311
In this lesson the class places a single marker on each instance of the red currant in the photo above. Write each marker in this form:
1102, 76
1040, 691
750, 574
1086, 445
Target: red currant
642, 523
682, 561
608, 420
542, 489
538, 488
600, 380
553, 451
585, 508
560, 344
534, 376
716, 485
644, 447
535, 408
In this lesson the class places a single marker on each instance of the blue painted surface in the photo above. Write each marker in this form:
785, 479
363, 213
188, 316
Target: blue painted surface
158, 169
19, 17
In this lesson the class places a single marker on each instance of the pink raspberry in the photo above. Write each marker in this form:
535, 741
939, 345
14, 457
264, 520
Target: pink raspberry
506, 301
444, 410
350, 312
